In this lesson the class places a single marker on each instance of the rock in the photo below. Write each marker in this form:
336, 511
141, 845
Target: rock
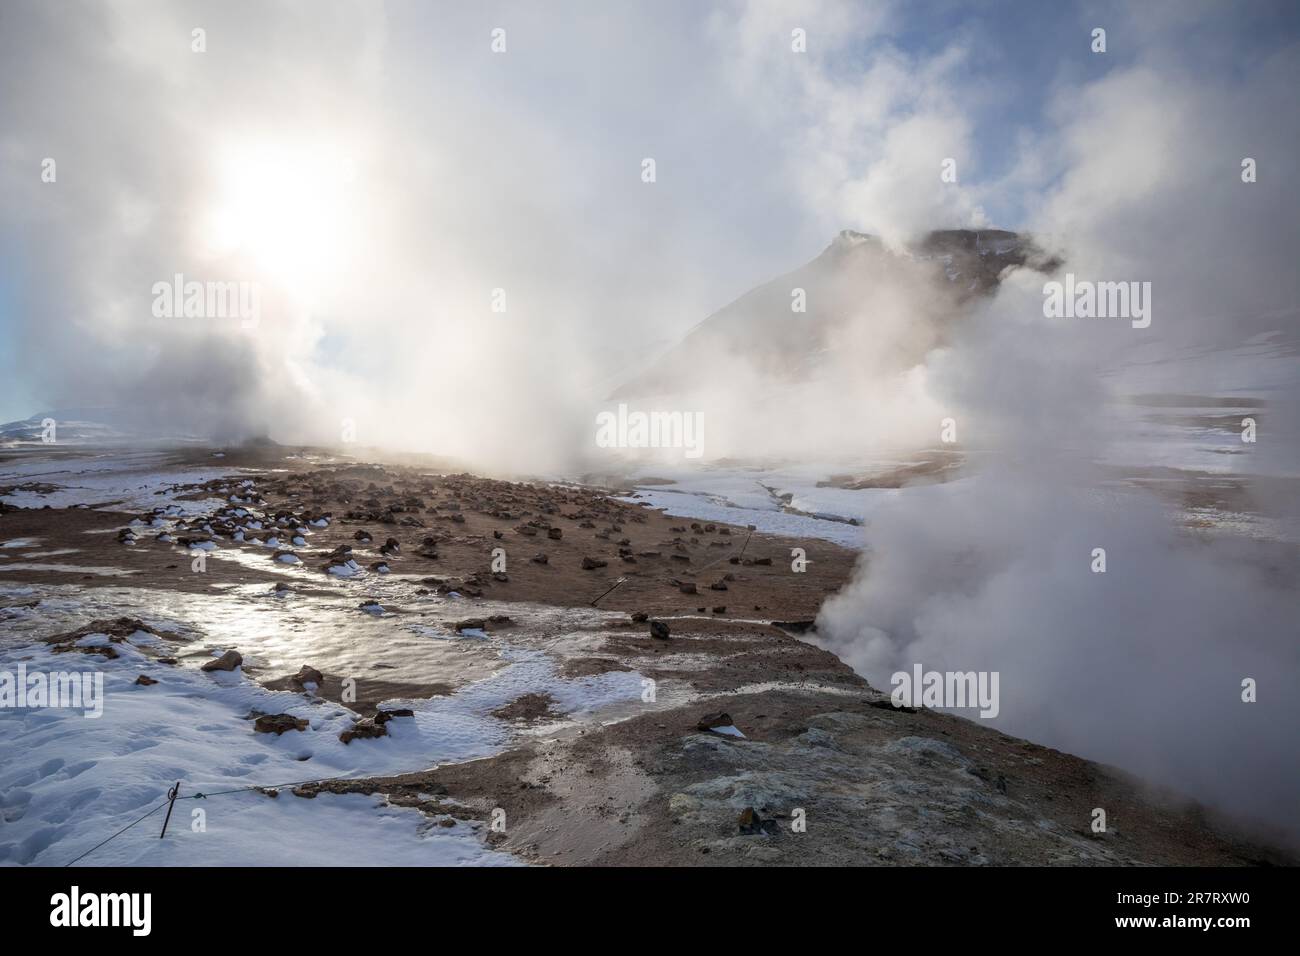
688, 587
709, 721
751, 824
659, 630
226, 662
365, 729
555, 534
640, 617
278, 724
384, 716
541, 558
308, 675
720, 609
888, 704
145, 680
591, 564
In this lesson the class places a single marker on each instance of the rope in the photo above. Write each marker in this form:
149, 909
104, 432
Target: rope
118, 833
203, 796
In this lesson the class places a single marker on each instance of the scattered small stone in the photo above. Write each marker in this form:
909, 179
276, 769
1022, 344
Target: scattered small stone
751, 824
278, 724
308, 675
709, 721
888, 704
226, 662
367, 728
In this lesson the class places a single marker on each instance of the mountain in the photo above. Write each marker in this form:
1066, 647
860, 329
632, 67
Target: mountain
856, 279
81, 426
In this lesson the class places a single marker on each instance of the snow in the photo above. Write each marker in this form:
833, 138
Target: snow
67, 782
729, 730
94, 776
738, 496
138, 480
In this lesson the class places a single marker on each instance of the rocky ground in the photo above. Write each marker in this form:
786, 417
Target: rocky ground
749, 746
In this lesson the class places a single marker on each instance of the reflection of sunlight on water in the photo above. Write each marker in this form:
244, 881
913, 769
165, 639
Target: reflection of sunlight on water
414, 642
276, 635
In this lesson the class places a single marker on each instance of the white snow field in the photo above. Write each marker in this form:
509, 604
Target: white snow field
69, 781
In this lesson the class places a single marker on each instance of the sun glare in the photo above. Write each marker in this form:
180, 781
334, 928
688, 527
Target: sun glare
284, 208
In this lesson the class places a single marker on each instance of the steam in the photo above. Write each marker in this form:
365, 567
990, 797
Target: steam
1142, 665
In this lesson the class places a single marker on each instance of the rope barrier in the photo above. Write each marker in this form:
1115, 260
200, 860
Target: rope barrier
168, 801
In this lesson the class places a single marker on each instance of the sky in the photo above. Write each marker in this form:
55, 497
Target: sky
377, 171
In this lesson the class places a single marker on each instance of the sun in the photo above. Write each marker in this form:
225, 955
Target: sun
286, 208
